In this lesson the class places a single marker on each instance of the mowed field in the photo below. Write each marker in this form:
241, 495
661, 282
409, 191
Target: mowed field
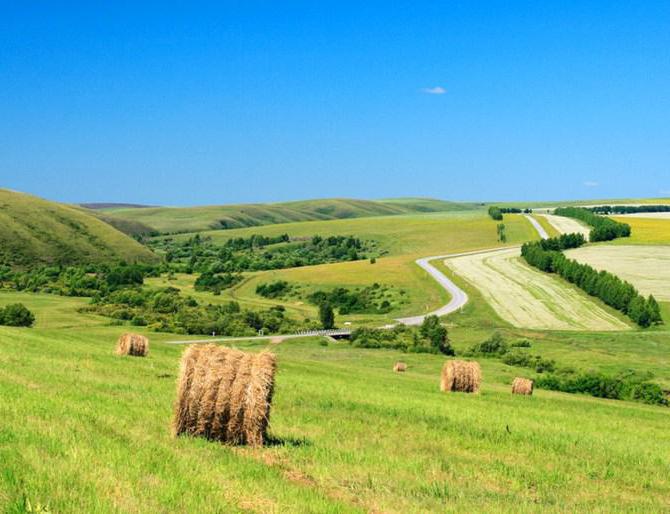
646, 267
528, 298
84, 430
565, 225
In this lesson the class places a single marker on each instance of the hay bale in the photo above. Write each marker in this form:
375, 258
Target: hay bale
461, 376
522, 386
224, 394
399, 367
132, 344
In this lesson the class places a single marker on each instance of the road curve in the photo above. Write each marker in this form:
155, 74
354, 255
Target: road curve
458, 297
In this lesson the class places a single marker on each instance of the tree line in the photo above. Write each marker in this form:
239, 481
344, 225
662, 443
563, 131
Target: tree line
604, 229
628, 209
547, 256
497, 212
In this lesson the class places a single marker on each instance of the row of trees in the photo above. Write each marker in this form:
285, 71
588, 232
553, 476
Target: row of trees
497, 212
430, 337
628, 209
615, 292
604, 229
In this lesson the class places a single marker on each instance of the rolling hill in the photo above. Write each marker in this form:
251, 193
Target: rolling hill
192, 219
34, 231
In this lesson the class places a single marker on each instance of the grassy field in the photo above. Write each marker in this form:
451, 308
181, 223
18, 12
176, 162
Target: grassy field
86, 431
646, 267
406, 238
34, 231
528, 298
191, 219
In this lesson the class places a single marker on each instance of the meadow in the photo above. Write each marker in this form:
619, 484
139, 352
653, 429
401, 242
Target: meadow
88, 431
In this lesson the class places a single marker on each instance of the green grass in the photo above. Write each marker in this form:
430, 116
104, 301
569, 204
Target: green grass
192, 219
36, 231
405, 237
86, 431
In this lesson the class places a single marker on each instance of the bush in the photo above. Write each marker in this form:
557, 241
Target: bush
525, 360
624, 386
436, 333
493, 346
16, 315
273, 289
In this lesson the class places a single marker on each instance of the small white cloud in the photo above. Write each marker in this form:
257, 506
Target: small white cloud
591, 183
437, 90
665, 192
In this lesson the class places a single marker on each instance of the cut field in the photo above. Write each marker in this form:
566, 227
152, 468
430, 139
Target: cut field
84, 430
528, 298
646, 267
565, 225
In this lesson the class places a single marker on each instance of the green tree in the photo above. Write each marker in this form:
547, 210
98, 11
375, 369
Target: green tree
327, 316
437, 334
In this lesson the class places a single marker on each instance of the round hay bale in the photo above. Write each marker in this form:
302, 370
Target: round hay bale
522, 386
400, 367
461, 376
132, 344
224, 394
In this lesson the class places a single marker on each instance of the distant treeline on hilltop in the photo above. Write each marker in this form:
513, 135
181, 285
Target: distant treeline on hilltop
628, 209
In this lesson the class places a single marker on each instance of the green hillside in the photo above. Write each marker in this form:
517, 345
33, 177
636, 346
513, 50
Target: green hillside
192, 219
33, 230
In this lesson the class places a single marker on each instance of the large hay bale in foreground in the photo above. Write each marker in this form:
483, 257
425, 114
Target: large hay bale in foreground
224, 394
132, 344
461, 376
399, 367
522, 386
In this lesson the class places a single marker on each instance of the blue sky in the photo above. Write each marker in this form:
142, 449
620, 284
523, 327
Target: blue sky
229, 102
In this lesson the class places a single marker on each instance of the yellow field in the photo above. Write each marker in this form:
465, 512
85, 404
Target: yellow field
646, 267
528, 298
645, 230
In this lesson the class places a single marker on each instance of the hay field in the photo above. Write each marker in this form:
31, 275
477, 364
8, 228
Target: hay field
85, 431
528, 298
646, 267
565, 225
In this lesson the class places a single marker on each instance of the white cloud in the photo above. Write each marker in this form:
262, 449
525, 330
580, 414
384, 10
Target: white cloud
437, 90
664, 192
591, 183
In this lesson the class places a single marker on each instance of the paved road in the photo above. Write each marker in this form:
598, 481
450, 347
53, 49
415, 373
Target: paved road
538, 227
458, 297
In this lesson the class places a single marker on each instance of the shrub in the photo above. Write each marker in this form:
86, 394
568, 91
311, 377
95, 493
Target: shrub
493, 346
16, 315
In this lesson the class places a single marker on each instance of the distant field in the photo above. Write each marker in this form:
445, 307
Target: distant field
86, 431
654, 215
528, 298
646, 267
565, 225
216, 217
406, 238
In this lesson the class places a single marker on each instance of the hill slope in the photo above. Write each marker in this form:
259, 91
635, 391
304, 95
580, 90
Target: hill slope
192, 219
33, 230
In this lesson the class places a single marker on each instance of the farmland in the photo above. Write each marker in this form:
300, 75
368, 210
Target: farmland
527, 298
646, 267
565, 225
